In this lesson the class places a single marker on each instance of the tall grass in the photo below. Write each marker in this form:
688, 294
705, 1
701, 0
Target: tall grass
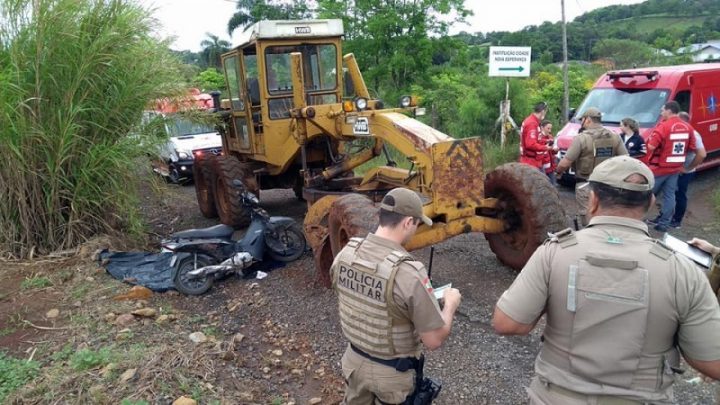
494, 155
75, 76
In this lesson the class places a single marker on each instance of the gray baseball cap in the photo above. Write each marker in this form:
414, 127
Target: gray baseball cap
405, 202
615, 170
593, 112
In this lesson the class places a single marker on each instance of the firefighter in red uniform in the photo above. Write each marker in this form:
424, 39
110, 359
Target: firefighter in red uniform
532, 151
667, 148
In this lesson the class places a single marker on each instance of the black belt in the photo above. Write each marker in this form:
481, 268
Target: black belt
402, 364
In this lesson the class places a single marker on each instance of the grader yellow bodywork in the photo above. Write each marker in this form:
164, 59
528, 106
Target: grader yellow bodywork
299, 115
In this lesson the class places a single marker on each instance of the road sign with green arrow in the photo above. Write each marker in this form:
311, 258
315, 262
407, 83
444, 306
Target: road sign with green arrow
510, 61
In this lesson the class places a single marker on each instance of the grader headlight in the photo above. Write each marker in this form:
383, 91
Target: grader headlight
405, 101
361, 103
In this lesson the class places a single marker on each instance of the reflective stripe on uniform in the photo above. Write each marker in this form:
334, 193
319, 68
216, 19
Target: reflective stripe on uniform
572, 288
675, 159
680, 135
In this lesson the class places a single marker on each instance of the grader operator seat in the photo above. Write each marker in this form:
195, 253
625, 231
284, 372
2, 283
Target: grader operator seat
254, 91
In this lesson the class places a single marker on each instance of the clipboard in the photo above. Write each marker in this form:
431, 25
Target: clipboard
440, 291
693, 253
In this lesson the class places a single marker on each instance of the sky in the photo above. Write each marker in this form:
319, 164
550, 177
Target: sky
189, 20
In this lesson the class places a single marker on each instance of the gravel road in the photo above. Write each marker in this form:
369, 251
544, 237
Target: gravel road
475, 365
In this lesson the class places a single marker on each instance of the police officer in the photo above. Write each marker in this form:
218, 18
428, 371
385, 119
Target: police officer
387, 306
587, 150
621, 307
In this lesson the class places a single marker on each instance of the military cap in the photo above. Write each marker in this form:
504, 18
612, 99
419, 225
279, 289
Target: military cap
592, 112
614, 172
405, 202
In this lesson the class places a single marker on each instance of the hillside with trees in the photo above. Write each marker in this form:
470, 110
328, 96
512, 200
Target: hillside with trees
648, 26
405, 47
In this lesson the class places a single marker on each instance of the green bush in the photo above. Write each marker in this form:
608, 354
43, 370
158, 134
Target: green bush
75, 77
14, 373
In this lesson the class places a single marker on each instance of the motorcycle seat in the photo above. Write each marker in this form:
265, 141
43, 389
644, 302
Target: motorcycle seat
217, 231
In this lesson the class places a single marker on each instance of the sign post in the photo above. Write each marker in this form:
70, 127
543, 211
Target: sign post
508, 61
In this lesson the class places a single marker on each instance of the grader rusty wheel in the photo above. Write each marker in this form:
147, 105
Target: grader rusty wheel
316, 233
227, 198
351, 215
529, 205
202, 176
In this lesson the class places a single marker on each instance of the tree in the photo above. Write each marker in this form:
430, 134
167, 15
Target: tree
213, 47
210, 79
252, 11
391, 38
625, 53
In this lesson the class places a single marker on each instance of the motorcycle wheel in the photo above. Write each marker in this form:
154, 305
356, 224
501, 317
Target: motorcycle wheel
196, 286
287, 244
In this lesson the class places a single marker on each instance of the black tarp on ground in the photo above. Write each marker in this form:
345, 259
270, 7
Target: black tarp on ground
153, 270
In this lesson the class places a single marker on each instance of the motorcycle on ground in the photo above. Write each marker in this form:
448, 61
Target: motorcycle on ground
202, 256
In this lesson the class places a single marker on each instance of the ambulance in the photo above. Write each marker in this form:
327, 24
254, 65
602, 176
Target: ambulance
641, 93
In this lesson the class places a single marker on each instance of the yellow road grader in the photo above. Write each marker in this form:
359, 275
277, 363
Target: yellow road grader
299, 115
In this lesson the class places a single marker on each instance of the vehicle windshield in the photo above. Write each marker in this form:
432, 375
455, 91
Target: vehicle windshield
319, 66
616, 104
179, 126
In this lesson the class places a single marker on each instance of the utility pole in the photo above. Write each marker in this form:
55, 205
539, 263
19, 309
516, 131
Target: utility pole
566, 84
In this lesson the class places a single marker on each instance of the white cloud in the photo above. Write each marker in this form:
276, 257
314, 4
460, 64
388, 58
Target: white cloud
189, 20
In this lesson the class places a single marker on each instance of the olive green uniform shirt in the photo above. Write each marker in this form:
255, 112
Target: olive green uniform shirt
582, 148
679, 304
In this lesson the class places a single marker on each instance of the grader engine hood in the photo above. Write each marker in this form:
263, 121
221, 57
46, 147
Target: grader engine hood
421, 135
452, 167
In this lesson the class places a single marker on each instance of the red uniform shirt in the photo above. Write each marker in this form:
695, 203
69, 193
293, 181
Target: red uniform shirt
672, 139
550, 157
532, 152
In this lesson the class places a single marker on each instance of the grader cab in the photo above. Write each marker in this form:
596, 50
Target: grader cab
291, 120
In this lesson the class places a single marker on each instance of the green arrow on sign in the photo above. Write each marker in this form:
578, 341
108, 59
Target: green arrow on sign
519, 68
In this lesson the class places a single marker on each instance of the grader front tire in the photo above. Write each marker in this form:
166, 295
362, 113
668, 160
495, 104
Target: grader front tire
350, 215
529, 205
316, 234
227, 198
